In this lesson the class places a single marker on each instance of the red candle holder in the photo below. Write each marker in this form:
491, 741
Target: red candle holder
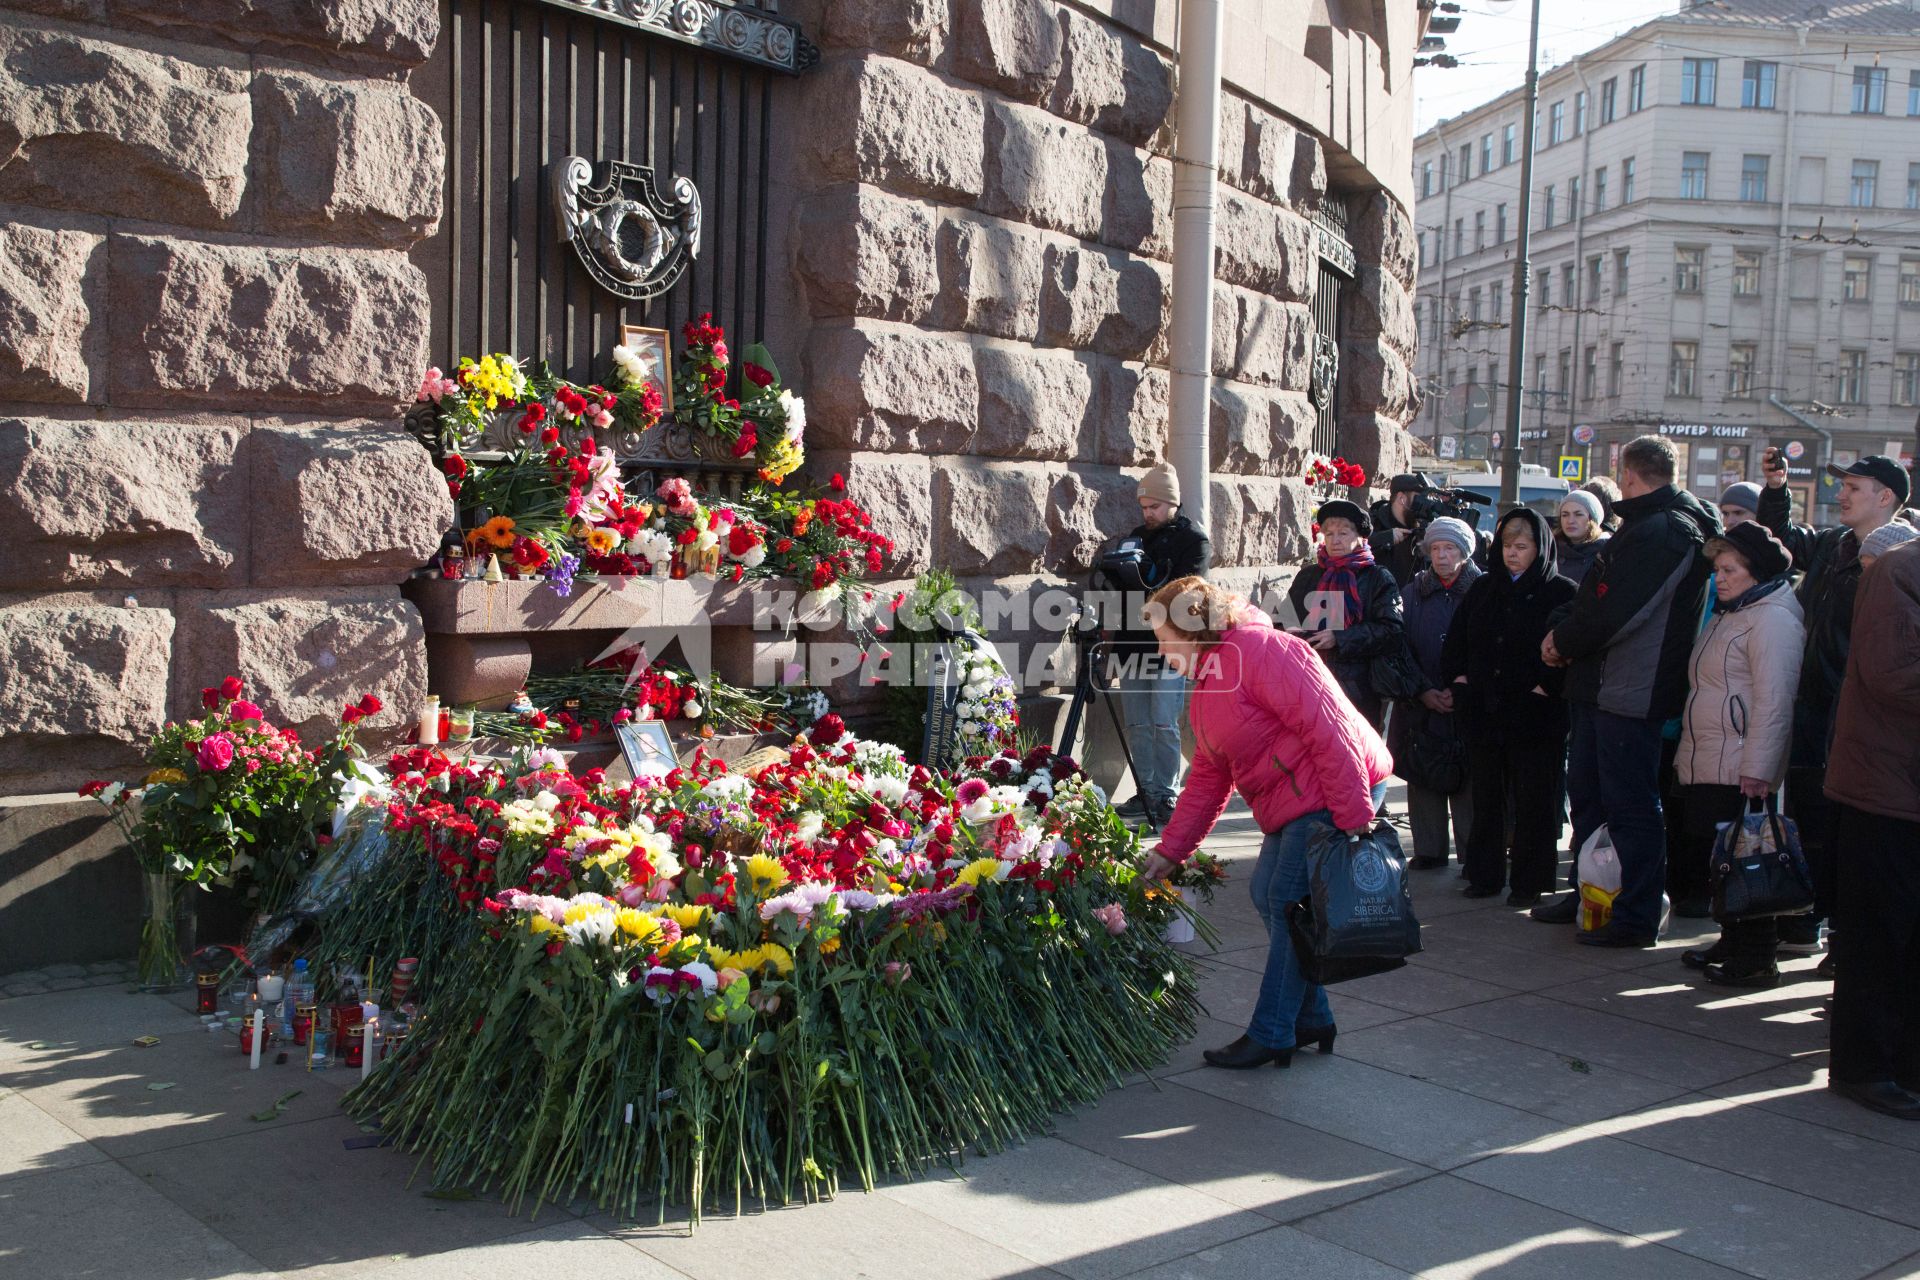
356, 1042
303, 1015
246, 1037
346, 1016
207, 991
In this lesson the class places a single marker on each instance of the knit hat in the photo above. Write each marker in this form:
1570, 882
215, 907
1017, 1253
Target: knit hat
1161, 484
1745, 495
1588, 501
1766, 558
1448, 529
1341, 509
1886, 538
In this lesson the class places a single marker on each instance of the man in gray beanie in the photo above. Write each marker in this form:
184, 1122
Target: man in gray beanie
1153, 698
1739, 503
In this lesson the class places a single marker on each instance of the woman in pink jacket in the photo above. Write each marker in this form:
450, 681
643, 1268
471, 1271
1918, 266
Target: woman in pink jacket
1270, 721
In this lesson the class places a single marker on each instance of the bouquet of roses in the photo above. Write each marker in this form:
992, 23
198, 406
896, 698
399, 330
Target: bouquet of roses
1322, 470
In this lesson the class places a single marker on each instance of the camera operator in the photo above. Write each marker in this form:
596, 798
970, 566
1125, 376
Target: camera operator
1397, 521
1164, 547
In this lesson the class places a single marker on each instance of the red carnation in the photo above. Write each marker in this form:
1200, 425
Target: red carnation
454, 465
827, 730
838, 484
748, 441
210, 698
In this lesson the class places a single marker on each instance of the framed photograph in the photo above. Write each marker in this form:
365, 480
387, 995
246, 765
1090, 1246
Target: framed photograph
648, 748
656, 353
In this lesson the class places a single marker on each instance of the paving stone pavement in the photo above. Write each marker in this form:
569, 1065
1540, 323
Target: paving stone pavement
1509, 1105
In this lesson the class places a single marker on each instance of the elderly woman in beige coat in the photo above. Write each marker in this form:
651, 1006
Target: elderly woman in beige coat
1733, 740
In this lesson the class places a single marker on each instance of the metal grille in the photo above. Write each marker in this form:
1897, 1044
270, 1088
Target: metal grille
520, 84
1336, 270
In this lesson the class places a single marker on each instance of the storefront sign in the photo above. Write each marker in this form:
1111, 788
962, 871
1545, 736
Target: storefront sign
717, 26
1714, 430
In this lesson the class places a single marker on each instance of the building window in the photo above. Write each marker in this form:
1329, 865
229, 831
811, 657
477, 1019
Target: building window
1486, 153
1856, 279
1693, 175
1913, 186
1566, 285
1556, 123
1621, 263
1564, 367
1433, 320
1459, 236
1500, 223
1869, 91
1616, 367
1547, 207
1697, 76
1446, 160
1473, 304
1479, 231
1687, 261
1852, 387
1906, 379
1682, 366
1426, 178
1573, 199
1539, 373
1545, 290
1497, 297
1756, 85
1421, 240
1579, 113
1753, 179
1636, 88
1913, 93
1510, 144
1746, 273
1593, 281
1466, 162
1590, 374
1910, 282
1740, 357
1865, 189
1609, 88
1599, 189
1626, 181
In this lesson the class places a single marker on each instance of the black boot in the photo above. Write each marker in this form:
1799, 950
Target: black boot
1320, 1036
1244, 1053
1559, 911
1753, 975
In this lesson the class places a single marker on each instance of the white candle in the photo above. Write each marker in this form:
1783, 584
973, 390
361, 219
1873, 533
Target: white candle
272, 988
430, 721
259, 1035
367, 1049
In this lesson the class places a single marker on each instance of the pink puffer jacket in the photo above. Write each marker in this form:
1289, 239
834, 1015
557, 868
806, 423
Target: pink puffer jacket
1270, 721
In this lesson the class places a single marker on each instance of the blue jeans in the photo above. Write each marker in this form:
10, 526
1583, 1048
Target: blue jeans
1154, 706
1287, 1000
1613, 777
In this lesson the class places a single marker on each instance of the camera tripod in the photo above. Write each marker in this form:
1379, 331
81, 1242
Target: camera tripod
1084, 687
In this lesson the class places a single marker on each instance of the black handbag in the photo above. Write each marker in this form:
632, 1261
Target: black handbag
1432, 761
1357, 918
1394, 675
1758, 869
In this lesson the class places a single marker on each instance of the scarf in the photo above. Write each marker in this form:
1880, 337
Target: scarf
1342, 574
1757, 591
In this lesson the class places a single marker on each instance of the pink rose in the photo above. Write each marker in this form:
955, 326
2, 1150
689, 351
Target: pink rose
1113, 916
214, 753
244, 710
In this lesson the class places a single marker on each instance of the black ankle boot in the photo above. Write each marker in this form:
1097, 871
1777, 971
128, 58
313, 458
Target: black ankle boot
1244, 1053
1320, 1036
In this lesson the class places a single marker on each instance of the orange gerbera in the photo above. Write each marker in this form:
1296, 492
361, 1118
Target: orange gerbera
498, 531
600, 541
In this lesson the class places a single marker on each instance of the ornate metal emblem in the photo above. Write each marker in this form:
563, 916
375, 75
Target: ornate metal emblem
633, 242
1326, 368
752, 35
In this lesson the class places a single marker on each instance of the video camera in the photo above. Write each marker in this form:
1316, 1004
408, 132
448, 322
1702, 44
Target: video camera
1124, 567
1433, 502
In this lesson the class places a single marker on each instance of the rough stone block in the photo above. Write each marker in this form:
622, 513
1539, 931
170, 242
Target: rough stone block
1108, 302
212, 323
1374, 379
1256, 431
485, 671
897, 491
1232, 145
862, 252
917, 30
49, 279
1134, 404
1377, 443
1379, 306
1258, 523
112, 129
989, 278
1270, 153
122, 503
1086, 507
1137, 214
873, 386
83, 684
1261, 246
305, 654
1034, 404
1111, 81
382, 30
359, 504
1009, 45
991, 518
353, 160
898, 126
1275, 343
1042, 170
1382, 234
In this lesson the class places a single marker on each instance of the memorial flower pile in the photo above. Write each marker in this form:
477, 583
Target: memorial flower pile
717, 986
764, 424
596, 698
1322, 470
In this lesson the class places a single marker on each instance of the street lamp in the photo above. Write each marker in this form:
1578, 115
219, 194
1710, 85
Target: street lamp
1522, 267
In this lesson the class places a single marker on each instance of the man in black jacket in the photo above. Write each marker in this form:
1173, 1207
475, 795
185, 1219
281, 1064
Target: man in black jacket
1154, 699
1872, 491
1625, 641
1396, 539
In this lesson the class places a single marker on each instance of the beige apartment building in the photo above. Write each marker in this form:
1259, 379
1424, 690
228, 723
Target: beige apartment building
1726, 247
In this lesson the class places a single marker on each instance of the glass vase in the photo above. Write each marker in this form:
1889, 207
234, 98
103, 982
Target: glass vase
166, 931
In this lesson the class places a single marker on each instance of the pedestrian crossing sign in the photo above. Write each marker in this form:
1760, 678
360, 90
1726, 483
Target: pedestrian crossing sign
1571, 468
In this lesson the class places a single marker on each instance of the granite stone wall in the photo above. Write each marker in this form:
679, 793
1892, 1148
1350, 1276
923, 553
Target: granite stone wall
208, 326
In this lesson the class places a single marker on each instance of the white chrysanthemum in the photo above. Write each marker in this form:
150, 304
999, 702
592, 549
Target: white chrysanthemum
795, 410
728, 786
886, 789
709, 980
594, 927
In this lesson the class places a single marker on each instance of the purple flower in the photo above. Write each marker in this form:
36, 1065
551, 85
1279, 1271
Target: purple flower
560, 574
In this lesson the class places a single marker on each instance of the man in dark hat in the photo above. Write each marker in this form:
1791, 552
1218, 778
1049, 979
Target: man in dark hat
1395, 539
1872, 491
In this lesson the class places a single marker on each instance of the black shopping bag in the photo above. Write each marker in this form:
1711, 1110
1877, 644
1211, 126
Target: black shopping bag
1758, 869
1357, 918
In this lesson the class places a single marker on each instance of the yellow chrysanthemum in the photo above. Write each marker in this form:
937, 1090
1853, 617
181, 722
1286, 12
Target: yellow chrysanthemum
165, 775
765, 873
578, 911
829, 945
687, 915
637, 925
776, 957
540, 924
979, 871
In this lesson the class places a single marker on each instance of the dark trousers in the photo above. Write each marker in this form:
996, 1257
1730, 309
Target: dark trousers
1686, 850
1614, 778
1816, 816
1744, 943
1517, 787
1876, 990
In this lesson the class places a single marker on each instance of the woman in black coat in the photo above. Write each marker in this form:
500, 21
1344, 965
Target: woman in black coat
1348, 607
1510, 705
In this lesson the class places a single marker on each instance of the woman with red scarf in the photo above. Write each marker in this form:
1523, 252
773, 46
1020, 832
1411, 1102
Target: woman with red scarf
1348, 607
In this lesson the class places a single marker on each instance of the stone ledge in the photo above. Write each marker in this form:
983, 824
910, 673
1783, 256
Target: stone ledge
604, 604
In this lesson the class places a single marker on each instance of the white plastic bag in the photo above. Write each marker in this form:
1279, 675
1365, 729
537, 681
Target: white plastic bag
1598, 870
